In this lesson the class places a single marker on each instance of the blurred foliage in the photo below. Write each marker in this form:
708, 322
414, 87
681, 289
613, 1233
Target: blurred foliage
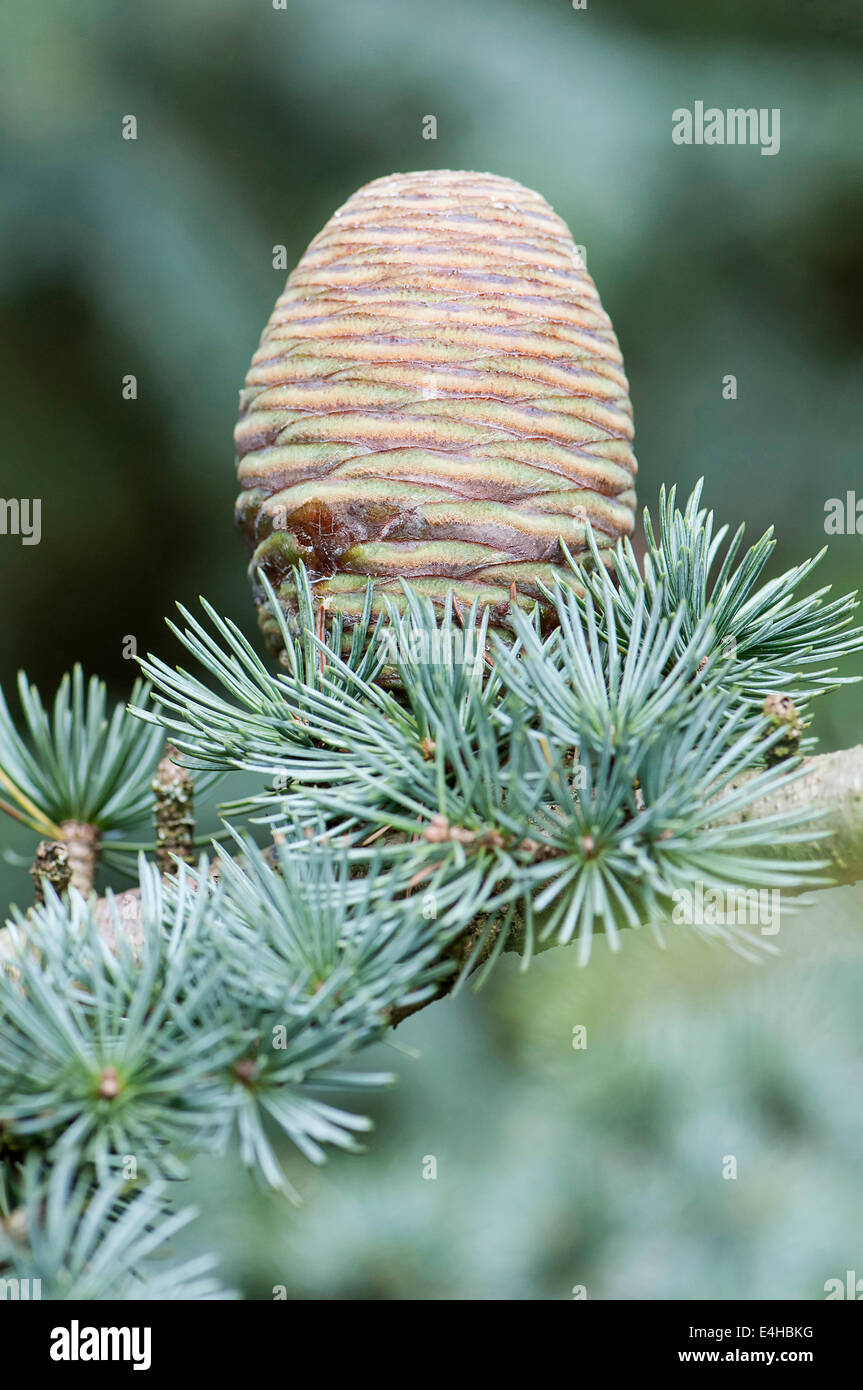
155, 257
600, 1167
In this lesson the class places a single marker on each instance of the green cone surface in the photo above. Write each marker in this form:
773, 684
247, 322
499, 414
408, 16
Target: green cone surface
439, 395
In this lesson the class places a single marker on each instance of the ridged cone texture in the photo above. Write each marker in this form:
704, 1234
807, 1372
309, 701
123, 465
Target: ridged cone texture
438, 395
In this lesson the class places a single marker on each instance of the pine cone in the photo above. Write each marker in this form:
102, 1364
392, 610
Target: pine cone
438, 395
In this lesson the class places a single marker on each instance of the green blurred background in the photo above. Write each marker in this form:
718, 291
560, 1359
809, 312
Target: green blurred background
556, 1167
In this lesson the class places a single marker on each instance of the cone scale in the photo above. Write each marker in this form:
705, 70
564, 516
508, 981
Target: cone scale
438, 396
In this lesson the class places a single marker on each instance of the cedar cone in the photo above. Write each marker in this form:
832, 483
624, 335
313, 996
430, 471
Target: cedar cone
438, 395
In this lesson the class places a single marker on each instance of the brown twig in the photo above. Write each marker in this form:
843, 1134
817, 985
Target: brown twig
82, 844
830, 782
174, 812
51, 865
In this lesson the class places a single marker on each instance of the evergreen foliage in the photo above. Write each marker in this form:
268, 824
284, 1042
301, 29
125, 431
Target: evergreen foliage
76, 764
433, 793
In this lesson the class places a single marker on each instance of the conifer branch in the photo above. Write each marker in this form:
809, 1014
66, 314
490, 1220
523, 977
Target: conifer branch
83, 848
174, 794
51, 865
830, 790
433, 794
